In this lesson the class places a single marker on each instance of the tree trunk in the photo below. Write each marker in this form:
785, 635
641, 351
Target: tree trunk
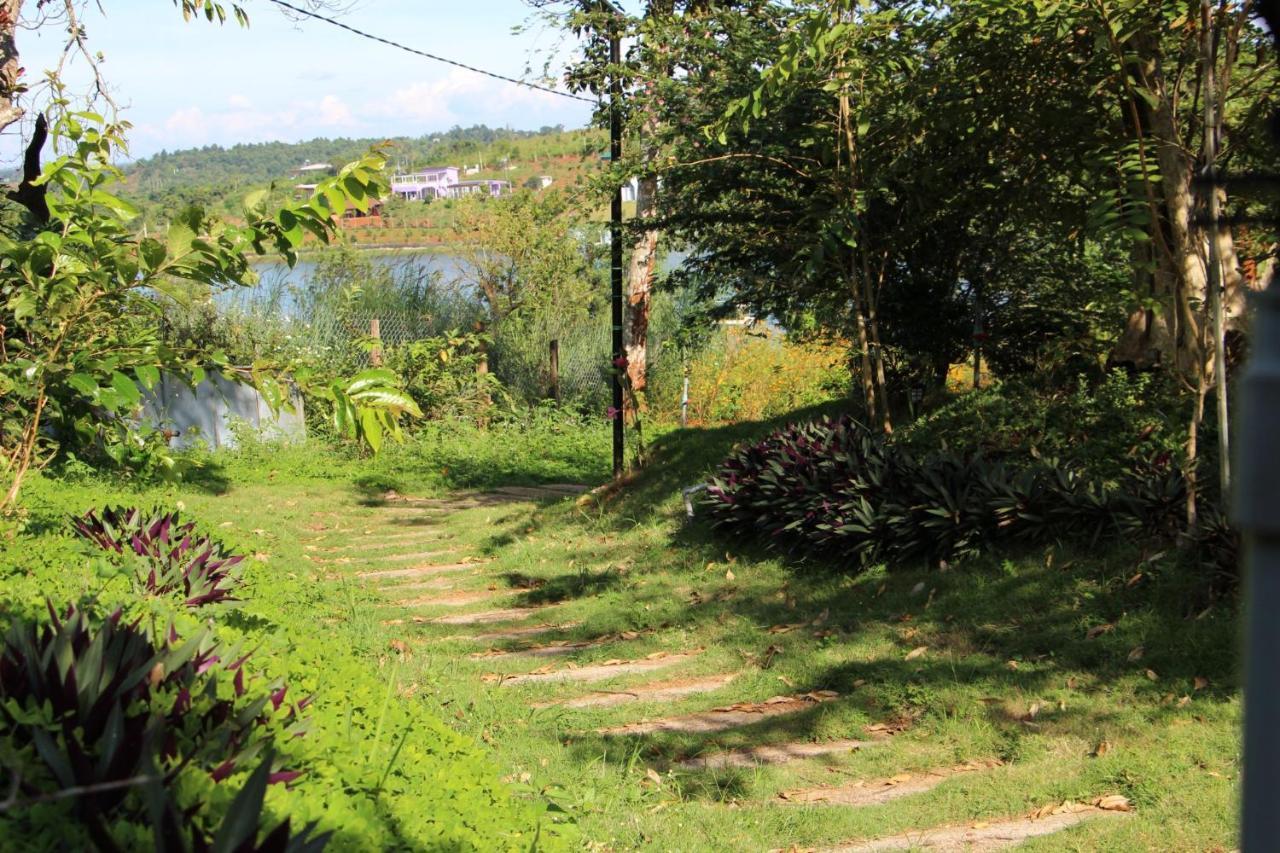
644, 254
10, 66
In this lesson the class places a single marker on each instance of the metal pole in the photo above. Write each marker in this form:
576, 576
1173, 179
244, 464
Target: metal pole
615, 240
1257, 511
684, 403
1214, 261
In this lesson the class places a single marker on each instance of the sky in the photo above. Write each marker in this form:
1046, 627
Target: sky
186, 84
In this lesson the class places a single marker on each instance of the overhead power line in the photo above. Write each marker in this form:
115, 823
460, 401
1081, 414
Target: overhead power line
309, 14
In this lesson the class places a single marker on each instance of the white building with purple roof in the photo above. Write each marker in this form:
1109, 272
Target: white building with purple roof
425, 185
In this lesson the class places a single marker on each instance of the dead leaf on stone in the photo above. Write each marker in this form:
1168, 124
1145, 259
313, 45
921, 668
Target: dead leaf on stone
917, 652
1099, 630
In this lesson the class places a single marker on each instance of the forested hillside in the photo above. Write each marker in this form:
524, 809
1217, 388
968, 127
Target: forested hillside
217, 177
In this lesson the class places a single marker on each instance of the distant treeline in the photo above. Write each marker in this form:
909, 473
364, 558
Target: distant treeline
217, 177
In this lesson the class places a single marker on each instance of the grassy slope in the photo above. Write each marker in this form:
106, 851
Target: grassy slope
1003, 636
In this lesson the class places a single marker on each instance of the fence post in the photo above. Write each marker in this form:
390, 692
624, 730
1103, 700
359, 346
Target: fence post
555, 369
375, 332
482, 372
684, 403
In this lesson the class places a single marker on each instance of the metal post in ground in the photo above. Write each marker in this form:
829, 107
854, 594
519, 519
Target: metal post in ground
615, 239
684, 403
1257, 512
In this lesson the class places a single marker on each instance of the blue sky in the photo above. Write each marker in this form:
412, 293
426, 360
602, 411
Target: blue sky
191, 84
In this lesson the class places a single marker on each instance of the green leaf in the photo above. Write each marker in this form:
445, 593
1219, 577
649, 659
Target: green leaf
84, 383
371, 429
240, 826
125, 388
148, 375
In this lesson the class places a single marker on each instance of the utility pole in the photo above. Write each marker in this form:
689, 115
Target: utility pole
615, 232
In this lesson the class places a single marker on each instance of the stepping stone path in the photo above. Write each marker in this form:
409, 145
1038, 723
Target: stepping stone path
407, 533
728, 717
596, 672
983, 835
663, 691
756, 755
876, 791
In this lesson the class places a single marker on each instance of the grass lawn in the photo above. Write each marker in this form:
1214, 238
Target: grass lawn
975, 695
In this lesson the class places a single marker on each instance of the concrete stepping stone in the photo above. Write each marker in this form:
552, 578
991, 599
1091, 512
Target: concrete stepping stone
518, 633
560, 647
591, 672
728, 717
443, 583
983, 835
461, 598
418, 571
661, 691
485, 617
416, 555
383, 558
873, 792
753, 756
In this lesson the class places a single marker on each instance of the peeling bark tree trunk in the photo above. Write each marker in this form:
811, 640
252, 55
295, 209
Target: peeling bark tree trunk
10, 68
644, 254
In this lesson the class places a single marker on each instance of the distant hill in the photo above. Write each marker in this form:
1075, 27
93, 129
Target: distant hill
218, 177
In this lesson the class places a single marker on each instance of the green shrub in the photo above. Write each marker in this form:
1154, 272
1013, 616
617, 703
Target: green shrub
172, 557
111, 735
833, 487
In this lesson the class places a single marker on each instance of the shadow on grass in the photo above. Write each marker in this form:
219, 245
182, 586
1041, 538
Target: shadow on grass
562, 587
1107, 628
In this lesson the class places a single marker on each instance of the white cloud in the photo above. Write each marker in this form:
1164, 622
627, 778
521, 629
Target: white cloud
463, 97
334, 112
239, 102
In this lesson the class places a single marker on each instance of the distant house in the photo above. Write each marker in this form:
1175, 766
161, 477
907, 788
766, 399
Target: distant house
472, 170
490, 188
354, 217
425, 185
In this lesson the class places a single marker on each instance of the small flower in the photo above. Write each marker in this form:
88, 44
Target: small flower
611, 414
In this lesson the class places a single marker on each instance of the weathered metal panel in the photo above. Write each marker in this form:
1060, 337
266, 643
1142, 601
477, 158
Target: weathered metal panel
207, 414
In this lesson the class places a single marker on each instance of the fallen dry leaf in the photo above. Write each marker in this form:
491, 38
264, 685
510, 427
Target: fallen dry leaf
729, 575
1131, 582
1184, 701
1151, 675
917, 652
1136, 653
1201, 683
1099, 630
1012, 664
1114, 803
1101, 749
858, 682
